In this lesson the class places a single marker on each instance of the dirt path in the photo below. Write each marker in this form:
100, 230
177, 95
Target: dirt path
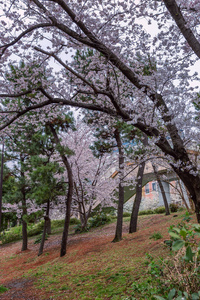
14, 263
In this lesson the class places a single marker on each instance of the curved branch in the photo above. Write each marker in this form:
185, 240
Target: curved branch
24, 111
130, 74
32, 28
89, 106
15, 95
63, 27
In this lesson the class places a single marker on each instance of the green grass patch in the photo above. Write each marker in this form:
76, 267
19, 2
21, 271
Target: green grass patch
3, 289
156, 236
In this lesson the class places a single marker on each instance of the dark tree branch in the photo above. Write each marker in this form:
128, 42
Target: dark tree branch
32, 28
24, 111
63, 27
51, 54
129, 73
176, 14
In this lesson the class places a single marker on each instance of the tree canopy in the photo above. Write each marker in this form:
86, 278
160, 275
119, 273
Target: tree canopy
134, 62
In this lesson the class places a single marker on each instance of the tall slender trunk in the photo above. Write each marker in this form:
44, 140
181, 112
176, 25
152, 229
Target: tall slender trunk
46, 220
118, 231
68, 211
68, 200
167, 212
24, 208
138, 198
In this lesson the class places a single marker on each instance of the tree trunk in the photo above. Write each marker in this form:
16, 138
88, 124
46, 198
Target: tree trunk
69, 193
118, 231
167, 212
192, 183
84, 216
24, 235
182, 196
49, 226
24, 208
46, 221
67, 215
138, 198
192, 207
1, 184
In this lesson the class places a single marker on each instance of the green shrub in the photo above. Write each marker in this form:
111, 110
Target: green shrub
39, 238
173, 207
15, 233
126, 214
156, 236
78, 228
159, 210
96, 221
146, 212
108, 210
57, 223
74, 221
11, 235
99, 220
181, 271
34, 229
3, 289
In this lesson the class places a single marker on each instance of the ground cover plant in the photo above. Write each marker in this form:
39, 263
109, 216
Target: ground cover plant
15, 233
94, 268
3, 289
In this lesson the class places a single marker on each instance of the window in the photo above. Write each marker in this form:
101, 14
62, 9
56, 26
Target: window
147, 188
154, 187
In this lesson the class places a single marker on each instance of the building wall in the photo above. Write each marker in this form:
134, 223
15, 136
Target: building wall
152, 197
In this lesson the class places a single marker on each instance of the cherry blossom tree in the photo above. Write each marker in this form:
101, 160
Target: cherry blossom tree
114, 82
92, 185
